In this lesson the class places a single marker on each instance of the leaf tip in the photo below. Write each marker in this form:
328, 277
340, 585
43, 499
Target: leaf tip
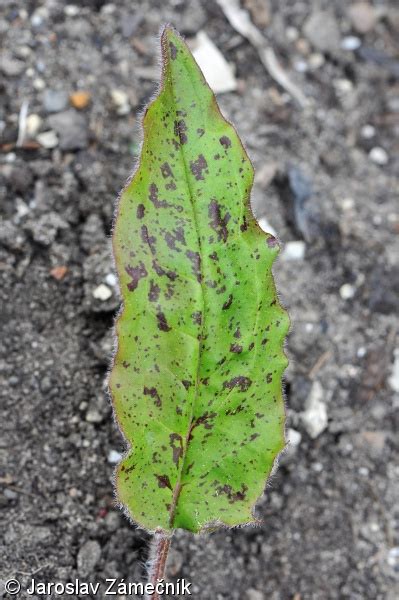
170, 41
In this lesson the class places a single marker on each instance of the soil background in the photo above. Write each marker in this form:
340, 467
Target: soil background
327, 177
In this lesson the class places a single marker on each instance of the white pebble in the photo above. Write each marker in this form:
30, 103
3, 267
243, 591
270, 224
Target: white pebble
47, 139
111, 279
301, 66
294, 437
36, 20
347, 203
70, 10
351, 42
317, 467
39, 84
102, 293
22, 208
367, 132
316, 60
343, 86
294, 250
314, 417
121, 101
361, 352
114, 457
265, 225
394, 377
33, 124
108, 9
347, 291
292, 34
378, 155
393, 557
92, 416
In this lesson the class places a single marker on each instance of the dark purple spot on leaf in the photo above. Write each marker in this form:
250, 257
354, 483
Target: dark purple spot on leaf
161, 271
228, 302
225, 141
242, 382
180, 129
217, 222
197, 317
148, 239
195, 259
163, 481
231, 495
166, 170
177, 448
162, 322
153, 294
236, 348
154, 394
173, 51
198, 166
136, 273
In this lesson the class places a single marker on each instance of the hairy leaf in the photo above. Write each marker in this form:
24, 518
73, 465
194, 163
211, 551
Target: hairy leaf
196, 380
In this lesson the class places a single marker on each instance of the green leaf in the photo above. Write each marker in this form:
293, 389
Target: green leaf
196, 380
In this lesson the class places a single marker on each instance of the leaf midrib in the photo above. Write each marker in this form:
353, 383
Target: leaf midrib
178, 486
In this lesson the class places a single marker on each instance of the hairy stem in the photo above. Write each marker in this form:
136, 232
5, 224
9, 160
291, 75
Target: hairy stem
158, 556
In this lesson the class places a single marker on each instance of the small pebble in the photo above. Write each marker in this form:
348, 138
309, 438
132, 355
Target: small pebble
351, 42
22, 208
36, 20
265, 225
39, 84
55, 100
70, 10
343, 85
120, 100
33, 124
314, 417
114, 457
394, 377
48, 139
292, 34
294, 250
59, 272
367, 132
347, 291
378, 155
111, 279
93, 416
361, 352
253, 594
316, 60
88, 556
102, 293
301, 66
294, 438
112, 521
80, 99
11, 67
363, 16
347, 203
317, 467
393, 557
